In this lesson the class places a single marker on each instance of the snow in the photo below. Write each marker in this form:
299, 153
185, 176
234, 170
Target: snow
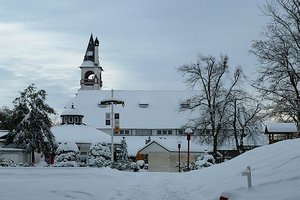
79, 134
162, 112
275, 175
71, 111
282, 128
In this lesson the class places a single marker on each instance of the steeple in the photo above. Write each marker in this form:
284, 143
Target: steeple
91, 78
90, 50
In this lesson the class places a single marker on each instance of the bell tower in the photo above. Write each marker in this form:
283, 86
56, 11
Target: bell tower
91, 70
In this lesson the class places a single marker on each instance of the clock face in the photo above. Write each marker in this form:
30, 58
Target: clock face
89, 53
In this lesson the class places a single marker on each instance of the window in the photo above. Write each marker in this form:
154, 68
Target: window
143, 132
124, 132
180, 132
164, 132
71, 120
107, 119
143, 104
65, 120
76, 120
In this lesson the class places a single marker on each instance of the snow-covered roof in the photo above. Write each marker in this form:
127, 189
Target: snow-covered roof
136, 143
79, 134
162, 111
68, 146
71, 111
281, 128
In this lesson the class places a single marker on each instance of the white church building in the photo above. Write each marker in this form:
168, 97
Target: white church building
146, 112
154, 113
138, 115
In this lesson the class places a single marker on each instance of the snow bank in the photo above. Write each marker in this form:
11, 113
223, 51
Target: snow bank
275, 175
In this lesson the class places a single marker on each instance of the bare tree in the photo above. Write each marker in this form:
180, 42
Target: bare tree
279, 56
244, 118
210, 76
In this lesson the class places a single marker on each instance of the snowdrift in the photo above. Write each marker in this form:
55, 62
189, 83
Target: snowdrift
275, 175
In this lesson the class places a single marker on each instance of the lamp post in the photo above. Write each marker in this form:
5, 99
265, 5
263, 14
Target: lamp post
188, 133
111, 102
179, 163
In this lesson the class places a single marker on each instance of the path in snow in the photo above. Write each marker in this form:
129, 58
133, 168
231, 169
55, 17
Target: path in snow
148, 185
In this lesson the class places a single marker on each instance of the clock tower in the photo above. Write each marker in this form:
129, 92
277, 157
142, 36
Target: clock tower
91, 70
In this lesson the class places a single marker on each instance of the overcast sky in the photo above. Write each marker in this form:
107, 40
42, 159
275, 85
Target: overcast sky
141, 42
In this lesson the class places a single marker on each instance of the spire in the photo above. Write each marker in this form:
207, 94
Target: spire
90, 50
96, 42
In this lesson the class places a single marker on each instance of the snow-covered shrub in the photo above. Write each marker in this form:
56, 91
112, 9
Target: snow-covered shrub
6, 162
67, 155
204, 160
99, 155
124, 165
141, 164
134, 167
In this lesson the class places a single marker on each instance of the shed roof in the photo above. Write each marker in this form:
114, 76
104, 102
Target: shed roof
281, 128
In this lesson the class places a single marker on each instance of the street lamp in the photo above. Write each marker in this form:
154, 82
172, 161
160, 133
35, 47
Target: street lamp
111, 102
188, 133
179, 146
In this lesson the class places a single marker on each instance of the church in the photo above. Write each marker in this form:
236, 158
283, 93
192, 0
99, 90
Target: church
142, 113
140, 116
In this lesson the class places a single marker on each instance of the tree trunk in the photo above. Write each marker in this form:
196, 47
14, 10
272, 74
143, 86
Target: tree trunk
32, 157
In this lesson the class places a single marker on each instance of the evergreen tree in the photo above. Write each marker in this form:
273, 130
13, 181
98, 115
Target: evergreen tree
31, 114
6, 122
123, 155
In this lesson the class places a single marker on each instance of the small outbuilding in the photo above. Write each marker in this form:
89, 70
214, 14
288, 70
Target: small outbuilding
281, 131
163, 154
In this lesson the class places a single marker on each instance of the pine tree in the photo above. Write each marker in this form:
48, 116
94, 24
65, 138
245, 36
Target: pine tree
123, 150
31, 114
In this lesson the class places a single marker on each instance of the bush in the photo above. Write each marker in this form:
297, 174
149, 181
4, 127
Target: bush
67, 155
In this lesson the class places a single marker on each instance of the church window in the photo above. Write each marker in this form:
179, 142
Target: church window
107, 119
71, 120
143, 104
143, 132
65, 120
124, 132
76, 120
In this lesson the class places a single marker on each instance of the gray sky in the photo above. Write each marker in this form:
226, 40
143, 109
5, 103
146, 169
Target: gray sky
141, 42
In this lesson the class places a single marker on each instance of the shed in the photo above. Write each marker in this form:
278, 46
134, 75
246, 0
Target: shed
281, 131
163, 155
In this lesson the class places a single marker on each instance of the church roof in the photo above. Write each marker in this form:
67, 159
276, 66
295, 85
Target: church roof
79, 134
144, 109
71, 111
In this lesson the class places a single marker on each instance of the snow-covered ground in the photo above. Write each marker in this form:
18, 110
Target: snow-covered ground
275, 175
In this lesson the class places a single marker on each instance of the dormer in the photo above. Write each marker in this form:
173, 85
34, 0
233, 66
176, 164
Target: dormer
143, 104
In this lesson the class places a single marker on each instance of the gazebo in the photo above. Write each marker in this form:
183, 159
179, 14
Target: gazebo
281, 131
